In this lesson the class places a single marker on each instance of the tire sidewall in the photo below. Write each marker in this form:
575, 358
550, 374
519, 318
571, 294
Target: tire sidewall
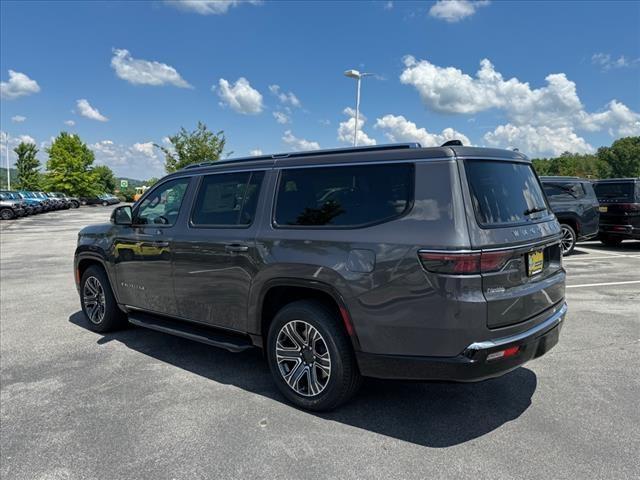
112, 313
574, 236
6, 214
321, 319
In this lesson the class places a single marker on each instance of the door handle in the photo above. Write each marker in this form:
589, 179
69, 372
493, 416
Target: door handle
236, 248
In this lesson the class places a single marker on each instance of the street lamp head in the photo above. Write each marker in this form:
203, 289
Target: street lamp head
352, 74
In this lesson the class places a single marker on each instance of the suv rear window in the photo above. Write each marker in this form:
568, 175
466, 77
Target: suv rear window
504, 193
623, 191
343, 196
563, 191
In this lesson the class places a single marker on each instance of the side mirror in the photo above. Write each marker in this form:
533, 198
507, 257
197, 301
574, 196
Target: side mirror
122, 215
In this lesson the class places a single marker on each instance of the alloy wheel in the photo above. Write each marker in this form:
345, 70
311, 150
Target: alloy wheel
303, 358
93, 298
568, 240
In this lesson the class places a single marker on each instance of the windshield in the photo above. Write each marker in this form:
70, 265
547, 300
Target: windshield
615, 191
505, 193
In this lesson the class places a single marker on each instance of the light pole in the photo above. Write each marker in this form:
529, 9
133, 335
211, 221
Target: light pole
6, 139
355, 74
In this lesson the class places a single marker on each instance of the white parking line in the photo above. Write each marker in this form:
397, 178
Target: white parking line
602, 252
598, 258
603, 284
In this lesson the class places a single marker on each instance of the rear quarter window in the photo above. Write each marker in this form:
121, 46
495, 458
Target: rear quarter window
344, 196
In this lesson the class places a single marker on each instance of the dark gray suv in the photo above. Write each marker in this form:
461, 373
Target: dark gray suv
391, 261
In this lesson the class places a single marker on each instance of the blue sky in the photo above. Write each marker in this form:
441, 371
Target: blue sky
557, 76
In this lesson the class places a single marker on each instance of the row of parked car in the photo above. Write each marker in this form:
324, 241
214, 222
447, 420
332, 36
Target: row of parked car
15, 204
586, 209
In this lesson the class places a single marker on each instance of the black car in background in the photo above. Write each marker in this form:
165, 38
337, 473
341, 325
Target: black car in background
102, 199
575, 204
619, 209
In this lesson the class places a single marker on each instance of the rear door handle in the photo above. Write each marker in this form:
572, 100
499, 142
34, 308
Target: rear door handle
235, 247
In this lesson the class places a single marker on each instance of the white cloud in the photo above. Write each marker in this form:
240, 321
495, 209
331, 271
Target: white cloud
134, 161
388, 5
69, 123
19, 85
555, 106
346, 128
281, 117
146, 149
606, 62
286, 98
86, 110
542, 139
299, 143
209, 7
18, 119
455, 10
241, 96
145, 72
399, 129
255, 152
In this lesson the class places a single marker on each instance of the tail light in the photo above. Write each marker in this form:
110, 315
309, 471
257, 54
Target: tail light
464, 263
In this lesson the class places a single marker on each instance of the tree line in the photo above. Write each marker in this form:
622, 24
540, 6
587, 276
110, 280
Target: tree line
621, 159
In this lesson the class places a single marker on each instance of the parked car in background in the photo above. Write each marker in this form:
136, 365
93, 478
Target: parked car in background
10, 208
619, 209
11, 195
102, 199
391, 261
575, 205
44, 201
61, 201
74, 202
36, 204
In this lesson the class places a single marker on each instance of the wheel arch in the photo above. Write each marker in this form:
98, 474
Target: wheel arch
85, 260
279, 292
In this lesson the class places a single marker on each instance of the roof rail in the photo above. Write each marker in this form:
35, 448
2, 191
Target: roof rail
314, 153
452, 143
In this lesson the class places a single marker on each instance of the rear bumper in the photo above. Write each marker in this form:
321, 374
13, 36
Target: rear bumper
472, 365
620, 230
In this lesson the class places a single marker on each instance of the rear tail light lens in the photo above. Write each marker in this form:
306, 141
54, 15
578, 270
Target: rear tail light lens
464, 263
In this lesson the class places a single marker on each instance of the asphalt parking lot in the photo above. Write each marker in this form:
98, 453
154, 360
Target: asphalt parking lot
139, 404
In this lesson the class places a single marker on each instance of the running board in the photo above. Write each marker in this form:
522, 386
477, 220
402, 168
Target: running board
197, 333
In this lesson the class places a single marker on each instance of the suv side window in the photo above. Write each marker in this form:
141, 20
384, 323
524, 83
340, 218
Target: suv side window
564, 191
349, 196
227, 199
162, 205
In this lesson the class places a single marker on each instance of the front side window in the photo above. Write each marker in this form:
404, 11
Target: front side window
343, 196
162, 205
227, 199
504, 192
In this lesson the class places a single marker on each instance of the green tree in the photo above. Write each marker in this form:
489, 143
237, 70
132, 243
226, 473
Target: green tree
105, 178
200, 145
621, 159
27, 165
69, 168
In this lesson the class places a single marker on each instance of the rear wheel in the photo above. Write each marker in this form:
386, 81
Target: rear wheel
98, 303
568, 241
105, 203
610, 241
75, 204
310, 356
7, 214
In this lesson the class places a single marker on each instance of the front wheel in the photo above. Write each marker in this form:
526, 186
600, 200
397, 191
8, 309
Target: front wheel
75, 205
6, 214
310, 356
568, 241
98, 303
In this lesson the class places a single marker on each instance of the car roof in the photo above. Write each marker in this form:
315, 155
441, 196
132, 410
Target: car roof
384, 153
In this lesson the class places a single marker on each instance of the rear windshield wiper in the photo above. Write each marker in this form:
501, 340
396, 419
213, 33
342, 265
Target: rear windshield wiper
530, 211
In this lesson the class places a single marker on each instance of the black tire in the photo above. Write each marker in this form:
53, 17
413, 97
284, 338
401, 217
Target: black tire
112, 317
75, 205
610, 241
7, 214
569, 239
104, 204
344, 377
